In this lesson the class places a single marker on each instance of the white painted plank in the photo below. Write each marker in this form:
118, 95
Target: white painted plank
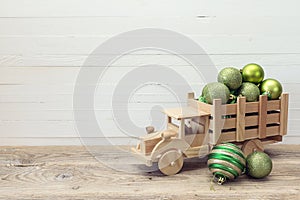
61, 103
55, 129
65, 129
9, 92
68, 128
40, 92
235, 44
103, 102
60, 96
291, 139
268, 61
67, 105
141, 8
109, 26
74, 8
68, 115
52, 141
113, 75
49, 76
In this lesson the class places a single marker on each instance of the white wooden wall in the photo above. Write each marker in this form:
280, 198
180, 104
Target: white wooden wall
43, 43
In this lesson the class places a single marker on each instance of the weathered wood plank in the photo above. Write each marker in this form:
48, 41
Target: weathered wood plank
72, 173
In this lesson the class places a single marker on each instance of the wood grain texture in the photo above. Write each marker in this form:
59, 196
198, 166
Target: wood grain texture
217, 121
240, 119
263, 108
284, 105
60, 172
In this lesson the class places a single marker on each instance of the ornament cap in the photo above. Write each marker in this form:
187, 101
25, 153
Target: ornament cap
219, 178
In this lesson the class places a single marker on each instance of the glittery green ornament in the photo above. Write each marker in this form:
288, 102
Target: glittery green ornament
259, 165
226, 161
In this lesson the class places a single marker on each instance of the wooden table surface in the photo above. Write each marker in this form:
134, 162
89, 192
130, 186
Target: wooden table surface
71, 172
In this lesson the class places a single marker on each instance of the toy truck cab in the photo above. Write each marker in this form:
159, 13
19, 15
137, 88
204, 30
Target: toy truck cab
180, 140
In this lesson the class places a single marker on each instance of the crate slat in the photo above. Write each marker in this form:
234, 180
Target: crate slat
228, 123
273, 130
273, 105
251, 121
240, 119
217, 122
273, 118
227, 137
262, 118
251, 133
252, 107
229, 109
284, 113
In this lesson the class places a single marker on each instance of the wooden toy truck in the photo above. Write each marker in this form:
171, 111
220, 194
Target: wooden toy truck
248, 124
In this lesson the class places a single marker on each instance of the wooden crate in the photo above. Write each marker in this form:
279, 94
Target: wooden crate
242, 121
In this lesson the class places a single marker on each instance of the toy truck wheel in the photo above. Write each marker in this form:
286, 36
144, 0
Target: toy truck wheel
170, 162
251, 146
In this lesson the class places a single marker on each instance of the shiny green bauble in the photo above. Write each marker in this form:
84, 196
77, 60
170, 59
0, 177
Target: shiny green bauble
259, 165
226, 161
253, 73
271, 87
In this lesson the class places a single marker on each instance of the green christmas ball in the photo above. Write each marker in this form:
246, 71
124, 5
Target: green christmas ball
271, 87
226, 161
250, 91
253, 73
259, 165
231, 77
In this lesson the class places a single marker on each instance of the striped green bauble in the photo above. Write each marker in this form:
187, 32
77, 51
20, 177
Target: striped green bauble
226, 161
